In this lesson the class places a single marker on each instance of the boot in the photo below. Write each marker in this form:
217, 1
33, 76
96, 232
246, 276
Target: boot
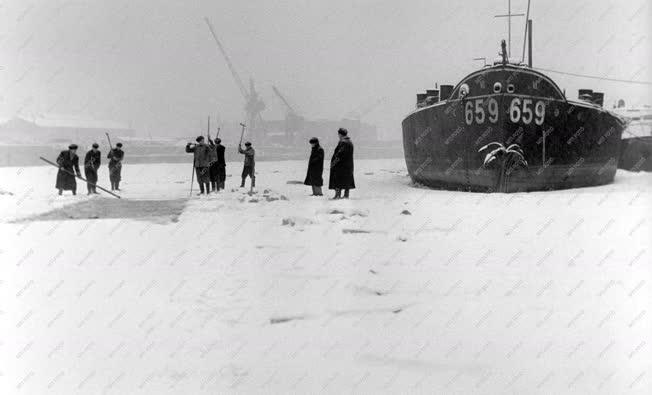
213, 186
95, 190
338, 194
242, 183
201, 188
346, 194
74, 192
60, 192
90, 189
207, 187
253, 182
221, 185
117, 185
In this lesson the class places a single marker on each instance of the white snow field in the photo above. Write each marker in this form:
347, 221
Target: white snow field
398, 290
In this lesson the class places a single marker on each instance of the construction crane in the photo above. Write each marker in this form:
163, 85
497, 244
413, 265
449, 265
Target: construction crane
284, 100
363, 110
254, 105
293, 121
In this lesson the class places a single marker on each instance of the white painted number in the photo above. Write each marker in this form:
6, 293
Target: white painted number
515, 110
527, 111
468, 112
479, 112
540, 112
492, 106
522, 111
475, 111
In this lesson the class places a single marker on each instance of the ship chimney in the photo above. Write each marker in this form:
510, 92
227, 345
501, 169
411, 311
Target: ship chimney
585, 94
432, 96
445, 91
598, 98
421, 97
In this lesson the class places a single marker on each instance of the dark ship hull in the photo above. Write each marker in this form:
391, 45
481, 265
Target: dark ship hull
566, 144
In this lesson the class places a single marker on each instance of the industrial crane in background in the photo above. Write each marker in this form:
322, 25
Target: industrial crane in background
254, 105
294, 123
363, 110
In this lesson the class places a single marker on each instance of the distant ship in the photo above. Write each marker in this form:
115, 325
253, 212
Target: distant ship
636, 146
509, 128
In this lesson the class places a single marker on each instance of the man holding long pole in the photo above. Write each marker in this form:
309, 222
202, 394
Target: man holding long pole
219, 166
202, 160
115, 156
249, 168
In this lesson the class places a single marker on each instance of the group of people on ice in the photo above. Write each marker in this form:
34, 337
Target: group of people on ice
68, 162
210, 166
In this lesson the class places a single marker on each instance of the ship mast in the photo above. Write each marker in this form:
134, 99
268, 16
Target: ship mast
509, 16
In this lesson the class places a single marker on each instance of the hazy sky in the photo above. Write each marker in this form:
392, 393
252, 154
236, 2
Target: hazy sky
153, 62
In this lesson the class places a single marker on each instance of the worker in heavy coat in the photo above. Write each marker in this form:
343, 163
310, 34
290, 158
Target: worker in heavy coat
220, 164
115, 156
341, 173
202, 162
68, 162
315, 167
91, 165
249, 168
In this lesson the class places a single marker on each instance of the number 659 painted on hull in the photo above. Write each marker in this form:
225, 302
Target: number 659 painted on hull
519, 111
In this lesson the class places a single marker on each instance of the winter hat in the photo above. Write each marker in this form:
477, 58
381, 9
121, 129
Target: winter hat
342, 132
119, 145
199, 139
218, 140
72, 146
314, 140
95, 145
248, 144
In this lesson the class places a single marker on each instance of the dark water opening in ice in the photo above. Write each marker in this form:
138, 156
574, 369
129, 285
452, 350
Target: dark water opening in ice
160, 211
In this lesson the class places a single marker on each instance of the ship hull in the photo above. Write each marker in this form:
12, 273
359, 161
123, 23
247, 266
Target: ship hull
572, 144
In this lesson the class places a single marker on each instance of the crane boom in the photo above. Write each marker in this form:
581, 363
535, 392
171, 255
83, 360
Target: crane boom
280, 96
236, 77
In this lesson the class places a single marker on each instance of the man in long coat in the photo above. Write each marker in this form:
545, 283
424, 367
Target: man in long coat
91, 165
68, 162
315, 167
341, 174
219, 166
202, 162
116, 155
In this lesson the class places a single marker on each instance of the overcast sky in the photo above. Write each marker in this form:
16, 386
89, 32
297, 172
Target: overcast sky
153, 62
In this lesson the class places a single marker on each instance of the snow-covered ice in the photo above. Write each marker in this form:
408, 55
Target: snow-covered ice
399, 289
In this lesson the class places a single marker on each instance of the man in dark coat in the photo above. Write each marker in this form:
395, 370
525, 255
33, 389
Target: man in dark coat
91, 165
115, 156
202, 162
219, 165
341, 174
249, 168
68, 162
315, 168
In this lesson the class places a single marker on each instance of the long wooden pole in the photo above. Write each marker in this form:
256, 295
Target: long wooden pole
80, 177
528, 25
529, 42
242, 134
109, 138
